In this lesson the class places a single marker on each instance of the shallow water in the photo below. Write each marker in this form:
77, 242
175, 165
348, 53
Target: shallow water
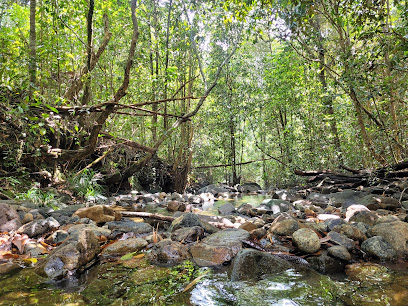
135, 282
237, 201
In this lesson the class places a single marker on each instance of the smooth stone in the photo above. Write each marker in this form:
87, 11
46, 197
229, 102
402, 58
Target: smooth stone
339, 252
331, 223
176, 206
341, 239
306, 240
386, 219
284, 227
58, 236
190, 220
218, 248
188, 234
350, 231
127, 225
34, 249
168, 253
126, 246
326, 264
353, 209
367, 217
98, 213
226, 209
368, 273
28, 217
251, 264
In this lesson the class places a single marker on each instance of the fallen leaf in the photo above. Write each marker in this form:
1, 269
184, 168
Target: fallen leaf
127, 256
30, 260
20, 241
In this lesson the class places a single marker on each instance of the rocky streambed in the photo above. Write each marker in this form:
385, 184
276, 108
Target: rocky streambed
219, 246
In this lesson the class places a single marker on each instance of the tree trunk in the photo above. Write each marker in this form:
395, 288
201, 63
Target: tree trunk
32, 66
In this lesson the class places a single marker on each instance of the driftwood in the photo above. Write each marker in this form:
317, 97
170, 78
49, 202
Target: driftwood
358, 177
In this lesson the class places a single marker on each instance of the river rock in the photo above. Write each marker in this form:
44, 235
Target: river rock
98, 213
176, 206
376, 202
188, 234
368, 273
248, 187
168, 253
318, 199
367, 217
350, 231
326, 264
245, 209
248, 226
125, 246
331, 223
218, 248
346, 198
378, 247
190, 220
251, 264
386, 219
395, 233
215, 189
339, 252
34, 249
195, 199
28, 217
127, 226
306, 240
276, 205
39, 227
76, 229
9, 219
226, 209
352, 209
284, 227
57, 237
341, 239
71, 256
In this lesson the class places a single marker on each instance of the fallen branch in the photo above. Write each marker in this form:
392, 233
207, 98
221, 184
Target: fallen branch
237, 164
147, 215
95, 161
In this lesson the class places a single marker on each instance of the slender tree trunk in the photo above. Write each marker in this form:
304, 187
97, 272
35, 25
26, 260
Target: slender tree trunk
32, 66
166, 65
87, 93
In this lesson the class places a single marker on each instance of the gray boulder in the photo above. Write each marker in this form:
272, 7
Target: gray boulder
127, 226
284, 227
39, 227
341, 239
218, 248
190, 220
378, 247
168, 253
395, 233
226, 209
125, 246
188, 234
339, 252
251, 264
9, 218
72, 256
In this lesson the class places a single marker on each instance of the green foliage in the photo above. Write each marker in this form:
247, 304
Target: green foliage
86, 185
38, 196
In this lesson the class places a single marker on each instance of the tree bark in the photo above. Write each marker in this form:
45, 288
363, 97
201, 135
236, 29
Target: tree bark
32, 66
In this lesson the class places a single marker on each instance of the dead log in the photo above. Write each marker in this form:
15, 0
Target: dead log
147, 215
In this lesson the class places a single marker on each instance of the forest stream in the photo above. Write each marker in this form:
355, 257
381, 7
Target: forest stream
132, 280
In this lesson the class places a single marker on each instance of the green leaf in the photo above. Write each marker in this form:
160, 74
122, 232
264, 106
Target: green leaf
128, 256
43, 131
